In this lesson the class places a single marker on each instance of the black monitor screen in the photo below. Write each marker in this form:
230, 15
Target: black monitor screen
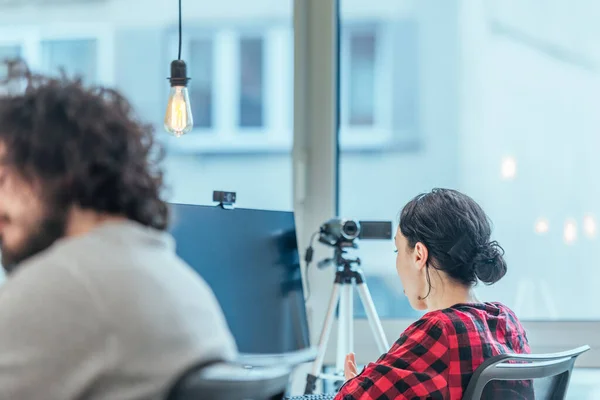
250, 260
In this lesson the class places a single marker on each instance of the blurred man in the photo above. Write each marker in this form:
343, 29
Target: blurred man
96, 304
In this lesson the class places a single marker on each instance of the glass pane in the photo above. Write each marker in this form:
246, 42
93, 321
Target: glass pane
77, 57
362, 78
251, 82
201, 86
497, 100
9, 52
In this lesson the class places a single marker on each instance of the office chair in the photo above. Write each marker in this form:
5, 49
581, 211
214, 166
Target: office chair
513, 376
231, 382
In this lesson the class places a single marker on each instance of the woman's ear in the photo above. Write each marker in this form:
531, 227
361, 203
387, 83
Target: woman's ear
421, 255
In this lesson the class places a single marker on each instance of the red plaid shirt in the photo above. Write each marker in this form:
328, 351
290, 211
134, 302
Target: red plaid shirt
436, 356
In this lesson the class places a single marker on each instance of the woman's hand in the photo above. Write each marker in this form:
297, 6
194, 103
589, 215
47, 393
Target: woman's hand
350, 369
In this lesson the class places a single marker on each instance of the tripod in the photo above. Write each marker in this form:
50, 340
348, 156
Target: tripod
346, 275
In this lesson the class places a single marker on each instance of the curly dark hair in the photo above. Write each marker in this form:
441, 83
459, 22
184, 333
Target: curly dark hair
82, 146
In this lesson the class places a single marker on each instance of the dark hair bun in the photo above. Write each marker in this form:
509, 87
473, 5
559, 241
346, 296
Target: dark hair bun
456, 232
489, 265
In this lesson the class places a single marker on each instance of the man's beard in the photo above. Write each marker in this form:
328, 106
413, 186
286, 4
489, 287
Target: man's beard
51, 228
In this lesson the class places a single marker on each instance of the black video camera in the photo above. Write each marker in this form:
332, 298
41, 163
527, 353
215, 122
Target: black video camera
340, 232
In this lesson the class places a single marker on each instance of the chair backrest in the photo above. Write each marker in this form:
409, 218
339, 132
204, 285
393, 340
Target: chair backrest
231, 382
521, 370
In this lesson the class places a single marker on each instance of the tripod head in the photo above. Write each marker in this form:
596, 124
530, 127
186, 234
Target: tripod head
340, 261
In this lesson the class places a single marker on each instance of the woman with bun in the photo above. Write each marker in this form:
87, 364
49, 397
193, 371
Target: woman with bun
443, 248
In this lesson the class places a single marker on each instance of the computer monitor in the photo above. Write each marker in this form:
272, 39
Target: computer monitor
250, 260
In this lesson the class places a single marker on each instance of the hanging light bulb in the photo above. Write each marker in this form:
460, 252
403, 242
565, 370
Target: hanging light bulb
178, 118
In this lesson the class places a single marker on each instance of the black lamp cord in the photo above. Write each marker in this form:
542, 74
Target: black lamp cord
308, 258
179, 54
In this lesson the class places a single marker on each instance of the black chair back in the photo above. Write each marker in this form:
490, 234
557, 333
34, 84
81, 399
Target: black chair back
524, 376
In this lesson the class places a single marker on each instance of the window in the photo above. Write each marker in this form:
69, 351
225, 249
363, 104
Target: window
9, 51
201, 86
241, 69
362, 78
379, 77
251, 82
76, 57
492, 104
241, 87
481, 101
241, 93
73, 48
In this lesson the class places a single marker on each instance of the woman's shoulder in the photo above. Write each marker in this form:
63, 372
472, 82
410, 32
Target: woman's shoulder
473, 324
432, 324
467, 316
482, 309
424, 334
485, 311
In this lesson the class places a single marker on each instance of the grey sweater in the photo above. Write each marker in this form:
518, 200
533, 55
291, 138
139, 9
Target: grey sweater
114, 314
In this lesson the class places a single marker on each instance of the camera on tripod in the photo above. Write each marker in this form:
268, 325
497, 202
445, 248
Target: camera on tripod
342, 233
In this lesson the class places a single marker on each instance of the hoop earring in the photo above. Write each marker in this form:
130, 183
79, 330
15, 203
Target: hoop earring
428, 284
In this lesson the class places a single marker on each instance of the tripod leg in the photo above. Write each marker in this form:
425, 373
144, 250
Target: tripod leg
374, 322
311, 379
343, 327
350, 320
